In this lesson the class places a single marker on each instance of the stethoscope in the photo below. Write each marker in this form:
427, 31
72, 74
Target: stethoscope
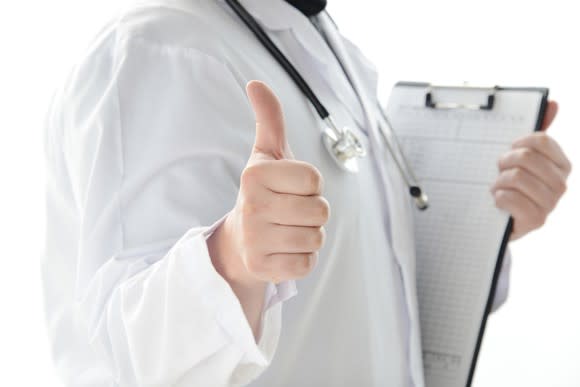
343, 145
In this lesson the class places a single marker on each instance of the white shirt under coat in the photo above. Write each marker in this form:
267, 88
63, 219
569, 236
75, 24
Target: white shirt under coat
145, 144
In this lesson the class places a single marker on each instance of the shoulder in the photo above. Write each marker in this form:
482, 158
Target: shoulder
149, 37
164, 26
183, 25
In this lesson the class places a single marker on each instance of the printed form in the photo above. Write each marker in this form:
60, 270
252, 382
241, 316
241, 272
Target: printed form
454, 154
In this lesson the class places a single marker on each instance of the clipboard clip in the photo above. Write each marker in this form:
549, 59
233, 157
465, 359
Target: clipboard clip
488, 105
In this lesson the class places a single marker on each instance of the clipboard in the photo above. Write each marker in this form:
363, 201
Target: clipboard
411, 107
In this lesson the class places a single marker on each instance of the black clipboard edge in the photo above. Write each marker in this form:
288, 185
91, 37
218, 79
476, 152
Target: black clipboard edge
505, 239
544, 91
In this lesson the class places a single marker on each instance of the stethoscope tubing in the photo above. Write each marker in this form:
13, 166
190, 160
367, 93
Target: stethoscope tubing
342, 144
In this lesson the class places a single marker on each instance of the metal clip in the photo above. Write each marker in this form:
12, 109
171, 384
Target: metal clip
432, 104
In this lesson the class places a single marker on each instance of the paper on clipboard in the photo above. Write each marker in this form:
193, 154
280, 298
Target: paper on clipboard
453, 149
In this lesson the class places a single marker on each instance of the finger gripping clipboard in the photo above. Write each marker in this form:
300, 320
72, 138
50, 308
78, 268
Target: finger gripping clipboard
452, 137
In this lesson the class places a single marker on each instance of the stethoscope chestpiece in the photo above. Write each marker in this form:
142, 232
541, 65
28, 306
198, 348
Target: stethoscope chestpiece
344, 146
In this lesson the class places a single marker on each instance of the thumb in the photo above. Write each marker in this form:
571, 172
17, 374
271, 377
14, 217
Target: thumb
270, 132
551, 112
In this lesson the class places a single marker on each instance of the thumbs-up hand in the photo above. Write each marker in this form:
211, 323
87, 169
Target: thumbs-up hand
275, 229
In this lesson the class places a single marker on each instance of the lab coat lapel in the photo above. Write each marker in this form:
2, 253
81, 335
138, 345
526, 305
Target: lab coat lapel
277, 16
400, 209
403, 244
366, 71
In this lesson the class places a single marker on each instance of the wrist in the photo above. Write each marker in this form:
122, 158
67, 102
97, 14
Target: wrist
226, 259
224, 253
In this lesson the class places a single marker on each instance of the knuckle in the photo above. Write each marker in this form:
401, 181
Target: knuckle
547, 200
517, 174
254, 205
553, 202
318, 237
501, 162
501, 198
301, 266
546, 138
538, 220
525, 155
304, 264
314, 178
504, 161
250, 175
323, 209
543, 140
561, 187
249, 207
255, 264
568, 165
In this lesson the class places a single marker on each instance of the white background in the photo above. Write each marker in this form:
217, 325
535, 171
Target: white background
534, 340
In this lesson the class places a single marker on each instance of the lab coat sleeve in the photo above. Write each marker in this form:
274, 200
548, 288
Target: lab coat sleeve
156, 138
502, 289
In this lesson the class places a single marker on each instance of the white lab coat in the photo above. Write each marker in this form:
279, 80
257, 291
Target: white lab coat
145, 144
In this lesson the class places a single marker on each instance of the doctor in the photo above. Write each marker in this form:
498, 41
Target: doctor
185, 199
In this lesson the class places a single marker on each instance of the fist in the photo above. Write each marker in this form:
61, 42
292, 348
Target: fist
276, 226
532, 178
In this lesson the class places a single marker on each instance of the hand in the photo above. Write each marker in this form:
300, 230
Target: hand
275, 229
532, 178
